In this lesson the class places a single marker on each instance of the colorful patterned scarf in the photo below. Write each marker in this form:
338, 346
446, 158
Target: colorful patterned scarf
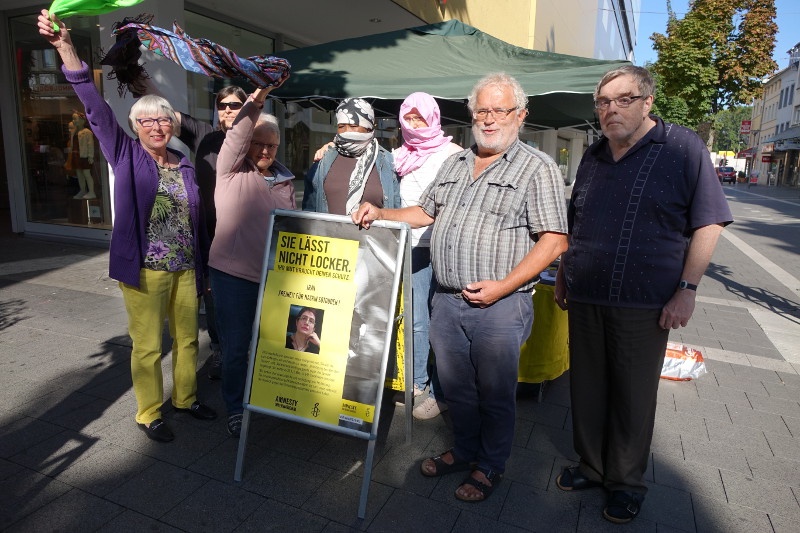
195, 55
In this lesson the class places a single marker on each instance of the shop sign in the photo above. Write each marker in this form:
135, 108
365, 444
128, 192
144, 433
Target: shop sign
766, 158
745, 128
787, 145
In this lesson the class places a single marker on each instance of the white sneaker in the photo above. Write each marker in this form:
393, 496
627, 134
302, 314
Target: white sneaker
401, 395
428, 409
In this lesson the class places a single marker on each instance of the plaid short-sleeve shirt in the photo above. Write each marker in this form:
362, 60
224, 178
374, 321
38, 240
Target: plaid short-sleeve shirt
485, 227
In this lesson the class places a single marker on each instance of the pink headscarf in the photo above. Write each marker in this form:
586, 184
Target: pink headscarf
420, 143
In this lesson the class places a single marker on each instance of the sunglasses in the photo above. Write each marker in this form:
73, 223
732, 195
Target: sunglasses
234, 106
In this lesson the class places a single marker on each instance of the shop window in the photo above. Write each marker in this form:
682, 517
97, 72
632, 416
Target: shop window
65, 175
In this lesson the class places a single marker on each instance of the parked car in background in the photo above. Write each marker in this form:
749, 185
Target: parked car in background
726, 174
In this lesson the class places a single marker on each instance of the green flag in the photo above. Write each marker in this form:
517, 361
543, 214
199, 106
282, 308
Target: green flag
67, 8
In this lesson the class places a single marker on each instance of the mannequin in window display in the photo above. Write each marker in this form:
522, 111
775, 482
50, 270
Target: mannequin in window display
81, 157
69, 166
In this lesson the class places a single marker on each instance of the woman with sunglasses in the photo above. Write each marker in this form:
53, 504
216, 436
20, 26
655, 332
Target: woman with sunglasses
250, 184
158, 241
205, 142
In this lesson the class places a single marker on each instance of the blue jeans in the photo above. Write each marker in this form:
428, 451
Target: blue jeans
423, 286
235, 300
211, 324
477, 352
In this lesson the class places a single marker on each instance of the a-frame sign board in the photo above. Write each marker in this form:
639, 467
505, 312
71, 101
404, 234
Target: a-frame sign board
323, 329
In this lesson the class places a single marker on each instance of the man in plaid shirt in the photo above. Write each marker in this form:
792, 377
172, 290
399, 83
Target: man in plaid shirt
500, 220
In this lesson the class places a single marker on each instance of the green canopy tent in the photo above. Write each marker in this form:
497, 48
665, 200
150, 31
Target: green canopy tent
445, 60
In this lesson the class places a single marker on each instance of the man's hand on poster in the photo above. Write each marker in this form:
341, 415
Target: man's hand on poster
365, 215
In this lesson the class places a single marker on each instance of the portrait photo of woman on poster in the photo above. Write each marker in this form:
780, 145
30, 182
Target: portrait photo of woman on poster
302, 329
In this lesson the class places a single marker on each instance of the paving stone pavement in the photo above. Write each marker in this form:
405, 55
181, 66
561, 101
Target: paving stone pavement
725, 455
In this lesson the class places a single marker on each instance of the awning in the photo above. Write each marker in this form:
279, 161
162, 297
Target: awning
791, 133
444, 59
750, 152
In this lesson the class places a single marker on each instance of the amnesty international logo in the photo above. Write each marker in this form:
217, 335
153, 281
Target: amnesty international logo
315, 410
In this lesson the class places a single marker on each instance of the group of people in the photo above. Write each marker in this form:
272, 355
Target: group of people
206, 223
634, 241
642, 223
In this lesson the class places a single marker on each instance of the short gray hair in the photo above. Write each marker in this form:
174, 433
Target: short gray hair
152, 105
499, 79
644, 80
270, 123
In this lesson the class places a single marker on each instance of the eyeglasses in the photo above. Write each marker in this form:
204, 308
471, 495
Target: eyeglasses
261, 146
234, 106
622, 101
148, 123
307, 320
498, 113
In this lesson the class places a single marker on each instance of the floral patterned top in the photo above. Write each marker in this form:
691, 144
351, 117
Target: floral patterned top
169, 233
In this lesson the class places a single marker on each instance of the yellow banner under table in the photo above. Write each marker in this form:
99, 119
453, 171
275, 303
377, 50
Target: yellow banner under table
545, 355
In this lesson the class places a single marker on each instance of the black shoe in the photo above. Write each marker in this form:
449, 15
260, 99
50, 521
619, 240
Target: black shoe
199, 411
573, 479
157, 430
623, 506
235, 425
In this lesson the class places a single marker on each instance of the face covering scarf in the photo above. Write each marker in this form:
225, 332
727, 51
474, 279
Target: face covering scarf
363, 146
419, 143
195, 55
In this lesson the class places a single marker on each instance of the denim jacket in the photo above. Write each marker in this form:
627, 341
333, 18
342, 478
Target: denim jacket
314, 198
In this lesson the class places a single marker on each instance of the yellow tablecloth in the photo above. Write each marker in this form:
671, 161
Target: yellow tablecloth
545, 355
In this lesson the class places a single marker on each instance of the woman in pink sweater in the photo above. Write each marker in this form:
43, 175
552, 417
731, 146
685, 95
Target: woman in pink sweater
250, 184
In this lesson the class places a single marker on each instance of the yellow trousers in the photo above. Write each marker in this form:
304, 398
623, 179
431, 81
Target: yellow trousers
162, 295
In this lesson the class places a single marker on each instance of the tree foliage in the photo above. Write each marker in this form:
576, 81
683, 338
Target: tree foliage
727, 124
716, 56
670, 108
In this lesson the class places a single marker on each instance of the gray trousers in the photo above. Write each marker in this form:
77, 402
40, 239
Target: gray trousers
616, 356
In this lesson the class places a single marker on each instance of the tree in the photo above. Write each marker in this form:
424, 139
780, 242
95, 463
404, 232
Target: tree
727, 124
716, 56
670, 108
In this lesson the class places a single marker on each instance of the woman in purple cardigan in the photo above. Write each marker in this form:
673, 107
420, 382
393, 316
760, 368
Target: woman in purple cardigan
158, 242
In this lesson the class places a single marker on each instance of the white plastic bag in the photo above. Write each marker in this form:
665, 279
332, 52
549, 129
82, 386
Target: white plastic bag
682, 363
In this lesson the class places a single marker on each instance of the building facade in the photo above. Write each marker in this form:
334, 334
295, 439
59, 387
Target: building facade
40, 192
776, 140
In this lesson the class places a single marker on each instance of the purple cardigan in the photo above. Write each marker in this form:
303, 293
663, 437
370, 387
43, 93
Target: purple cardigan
135, 187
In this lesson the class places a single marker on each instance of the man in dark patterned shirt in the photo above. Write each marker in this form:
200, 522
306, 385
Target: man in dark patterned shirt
645, 214
500, 220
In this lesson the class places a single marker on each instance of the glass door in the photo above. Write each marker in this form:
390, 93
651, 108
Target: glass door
65, 174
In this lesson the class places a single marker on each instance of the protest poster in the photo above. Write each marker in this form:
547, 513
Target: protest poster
323, 269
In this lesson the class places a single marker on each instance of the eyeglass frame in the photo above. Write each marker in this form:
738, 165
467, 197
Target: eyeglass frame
307, 319
261, 146
605, 103
497, 112
152, 122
